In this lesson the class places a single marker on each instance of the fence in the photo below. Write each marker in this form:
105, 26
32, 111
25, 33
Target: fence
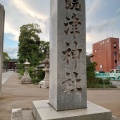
106, 75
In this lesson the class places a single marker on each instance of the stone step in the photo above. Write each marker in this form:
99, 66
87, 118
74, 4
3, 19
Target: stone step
22, 114
26, 114
43, 111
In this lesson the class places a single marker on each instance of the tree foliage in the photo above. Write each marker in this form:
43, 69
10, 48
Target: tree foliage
31, 47
43, 48
90, 70
29, 42
6, 56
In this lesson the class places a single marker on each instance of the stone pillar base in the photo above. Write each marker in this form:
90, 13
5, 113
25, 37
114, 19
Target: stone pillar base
26, 82
26, 79
43, 111
44, 84
22, 114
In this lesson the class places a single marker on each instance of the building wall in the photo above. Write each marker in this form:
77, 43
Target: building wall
106, 54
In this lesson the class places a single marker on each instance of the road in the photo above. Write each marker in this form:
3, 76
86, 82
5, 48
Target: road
116, 83
6, 75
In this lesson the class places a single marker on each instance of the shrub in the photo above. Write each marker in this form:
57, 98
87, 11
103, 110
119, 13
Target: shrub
38, 77
41, 74
21, 72
105, 81
100, 83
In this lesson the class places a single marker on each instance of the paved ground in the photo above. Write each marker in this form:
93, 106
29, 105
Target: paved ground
16, 95
109, 99
116, 83
6, 75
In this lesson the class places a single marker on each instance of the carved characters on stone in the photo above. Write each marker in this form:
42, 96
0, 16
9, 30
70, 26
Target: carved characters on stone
78, 86
76, 53
71, 26
72, 85
73, 4
69, 84
67, 53
72, 52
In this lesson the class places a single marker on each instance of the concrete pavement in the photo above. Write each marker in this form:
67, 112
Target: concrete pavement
6, 75
116, 83
16, 95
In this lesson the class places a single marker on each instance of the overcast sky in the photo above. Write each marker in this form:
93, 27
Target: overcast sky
102, 20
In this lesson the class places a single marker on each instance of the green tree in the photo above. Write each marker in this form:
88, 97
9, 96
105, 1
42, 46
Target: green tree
90, 71
6, 59
6, 56
43, 48
29, 42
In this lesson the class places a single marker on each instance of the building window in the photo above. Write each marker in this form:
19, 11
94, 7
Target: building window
115, 61
114, 45
101, 66
115, 54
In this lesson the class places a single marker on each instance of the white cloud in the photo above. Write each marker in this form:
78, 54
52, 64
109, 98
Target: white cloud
12, 52
94, 7
10, 29
92, 38
19, 12
102, 30
118, 11
45, 30
101, 26
20, 4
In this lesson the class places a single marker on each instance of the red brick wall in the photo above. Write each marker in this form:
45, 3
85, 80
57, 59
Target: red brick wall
105, 53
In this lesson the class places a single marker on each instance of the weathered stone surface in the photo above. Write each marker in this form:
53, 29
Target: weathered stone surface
26, 78
67, 94
22, 114
67, 55
43, 111
2, 15
45, 82
17, 114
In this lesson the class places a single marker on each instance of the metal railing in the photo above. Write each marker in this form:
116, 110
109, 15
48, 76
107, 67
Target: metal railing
102, 75
106, 75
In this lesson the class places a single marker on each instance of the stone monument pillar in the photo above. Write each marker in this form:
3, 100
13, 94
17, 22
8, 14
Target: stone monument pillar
2, 15
67, 55
67, 85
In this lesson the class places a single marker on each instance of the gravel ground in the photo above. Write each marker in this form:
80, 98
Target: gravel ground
16, 95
